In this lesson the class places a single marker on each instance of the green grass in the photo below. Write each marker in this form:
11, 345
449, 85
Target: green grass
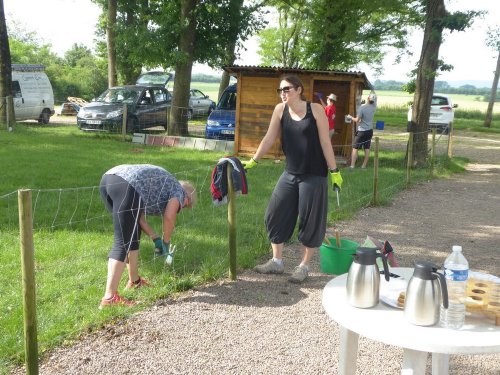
73, 232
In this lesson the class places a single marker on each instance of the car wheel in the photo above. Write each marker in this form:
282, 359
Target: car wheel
190, 114
44, 117
132, 125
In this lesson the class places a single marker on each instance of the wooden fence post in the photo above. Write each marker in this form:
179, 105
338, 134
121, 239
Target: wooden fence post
375, 173
9, 101
409, 160
433, 151
28, 275
124, 122
231, 220
450, 141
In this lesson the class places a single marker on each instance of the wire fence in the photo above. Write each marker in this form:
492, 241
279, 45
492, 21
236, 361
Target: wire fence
72, 233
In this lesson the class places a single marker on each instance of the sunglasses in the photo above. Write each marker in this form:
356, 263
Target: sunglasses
284, 89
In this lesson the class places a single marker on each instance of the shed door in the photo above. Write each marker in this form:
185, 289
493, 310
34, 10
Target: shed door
342, 137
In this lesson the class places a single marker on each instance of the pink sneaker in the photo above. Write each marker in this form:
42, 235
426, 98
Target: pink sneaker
115, 300
137, 284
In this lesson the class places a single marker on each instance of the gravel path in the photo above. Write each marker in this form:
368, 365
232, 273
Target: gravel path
261, 324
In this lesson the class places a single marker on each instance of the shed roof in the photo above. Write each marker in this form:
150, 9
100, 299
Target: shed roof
276, 70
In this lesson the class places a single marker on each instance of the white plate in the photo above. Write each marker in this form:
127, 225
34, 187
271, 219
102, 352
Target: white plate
390, 290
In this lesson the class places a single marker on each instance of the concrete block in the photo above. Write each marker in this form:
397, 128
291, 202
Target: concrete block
189, 142
139, 138
199, 143
210, 144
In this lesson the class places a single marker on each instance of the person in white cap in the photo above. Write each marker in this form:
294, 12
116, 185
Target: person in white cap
364, 130
330, 110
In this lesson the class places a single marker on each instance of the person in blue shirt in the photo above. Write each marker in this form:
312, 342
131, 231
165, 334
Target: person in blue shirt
130, 192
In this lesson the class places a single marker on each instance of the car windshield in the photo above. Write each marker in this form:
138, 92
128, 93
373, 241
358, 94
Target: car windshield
119, 95
439, 100
227, 101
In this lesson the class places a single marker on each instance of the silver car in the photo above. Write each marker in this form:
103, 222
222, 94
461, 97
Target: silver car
199, 104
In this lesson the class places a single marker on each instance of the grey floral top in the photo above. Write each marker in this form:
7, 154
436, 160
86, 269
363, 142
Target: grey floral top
155, 185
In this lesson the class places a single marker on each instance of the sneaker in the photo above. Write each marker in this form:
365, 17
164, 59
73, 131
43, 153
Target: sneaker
136, 284
298, 275
270, 267
350, 169
116, 300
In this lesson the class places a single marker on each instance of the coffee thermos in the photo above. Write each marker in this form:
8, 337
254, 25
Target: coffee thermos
363, 278
424, 293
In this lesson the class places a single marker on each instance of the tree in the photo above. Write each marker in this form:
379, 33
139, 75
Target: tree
493, 41
175, 34
324, 34
436, 20
6, 109
234, 10
283, 45
110, 38
183, 68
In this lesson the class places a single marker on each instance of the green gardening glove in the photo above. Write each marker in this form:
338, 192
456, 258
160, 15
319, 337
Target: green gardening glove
336, 179
161, 247
249, 164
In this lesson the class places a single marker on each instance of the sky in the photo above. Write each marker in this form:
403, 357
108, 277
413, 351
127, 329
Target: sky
63, 23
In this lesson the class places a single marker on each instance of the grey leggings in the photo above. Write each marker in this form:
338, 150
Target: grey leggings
121, 199
298, 196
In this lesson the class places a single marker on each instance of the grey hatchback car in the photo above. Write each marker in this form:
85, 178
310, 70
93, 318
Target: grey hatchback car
146, 107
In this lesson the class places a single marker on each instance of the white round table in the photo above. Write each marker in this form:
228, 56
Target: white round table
387, 324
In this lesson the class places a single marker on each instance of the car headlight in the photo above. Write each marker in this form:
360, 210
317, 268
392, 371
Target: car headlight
116, 113
213, 123
81, 113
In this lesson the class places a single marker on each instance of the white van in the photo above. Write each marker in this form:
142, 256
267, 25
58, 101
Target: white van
32, 93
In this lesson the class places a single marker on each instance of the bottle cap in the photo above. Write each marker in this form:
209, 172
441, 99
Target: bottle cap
456, 248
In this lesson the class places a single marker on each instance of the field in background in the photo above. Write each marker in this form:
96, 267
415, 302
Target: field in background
386, 98
465, 102
208, 88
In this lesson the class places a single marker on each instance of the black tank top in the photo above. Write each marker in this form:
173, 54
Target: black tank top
300, 144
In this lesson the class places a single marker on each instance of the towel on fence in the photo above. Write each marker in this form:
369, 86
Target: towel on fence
219, 187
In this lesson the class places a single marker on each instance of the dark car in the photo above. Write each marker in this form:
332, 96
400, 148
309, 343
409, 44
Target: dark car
146, 107
222, 121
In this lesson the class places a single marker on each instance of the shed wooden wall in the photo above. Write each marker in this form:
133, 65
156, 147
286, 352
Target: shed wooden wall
257, 98
255, 104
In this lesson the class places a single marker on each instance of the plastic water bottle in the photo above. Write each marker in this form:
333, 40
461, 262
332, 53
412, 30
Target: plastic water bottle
456, 270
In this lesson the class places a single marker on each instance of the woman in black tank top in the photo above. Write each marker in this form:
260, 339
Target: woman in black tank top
301, 192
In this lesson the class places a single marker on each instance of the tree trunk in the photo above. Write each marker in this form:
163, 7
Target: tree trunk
234, 28
110, 37
426, 74
493, 96
183, 68
230, 57
5, 74
224, 82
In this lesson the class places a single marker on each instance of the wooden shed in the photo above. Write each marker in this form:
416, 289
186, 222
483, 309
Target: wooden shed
256, 99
